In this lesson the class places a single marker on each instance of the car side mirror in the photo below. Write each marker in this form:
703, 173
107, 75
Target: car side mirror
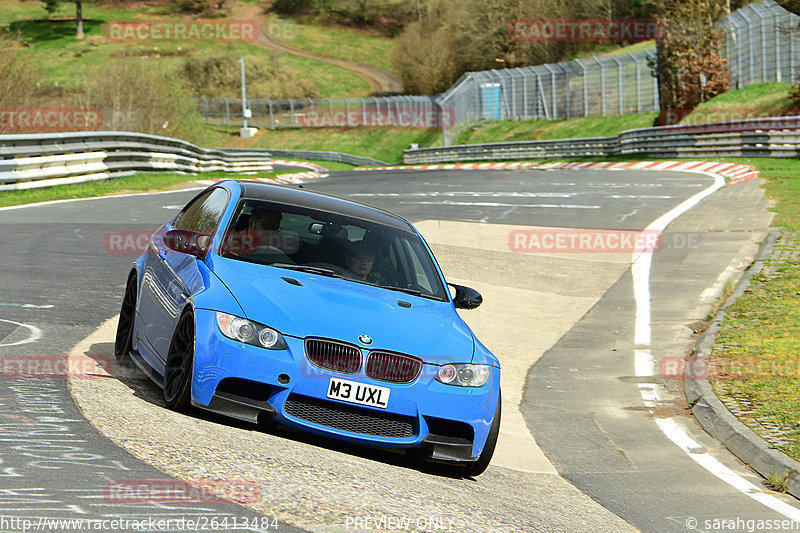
187, 242
466, 297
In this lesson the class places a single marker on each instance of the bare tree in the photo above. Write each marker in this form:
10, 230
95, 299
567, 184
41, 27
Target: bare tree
52, 6
689, 65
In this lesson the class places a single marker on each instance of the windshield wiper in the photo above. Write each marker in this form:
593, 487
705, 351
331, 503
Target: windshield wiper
310, 269
412, 292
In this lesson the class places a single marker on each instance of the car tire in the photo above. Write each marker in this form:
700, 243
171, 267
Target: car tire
123, 342
180, 363
479, 466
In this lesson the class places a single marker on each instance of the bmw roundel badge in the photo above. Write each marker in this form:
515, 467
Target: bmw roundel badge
365, 339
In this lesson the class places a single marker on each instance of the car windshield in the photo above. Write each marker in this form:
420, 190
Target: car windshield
333, 245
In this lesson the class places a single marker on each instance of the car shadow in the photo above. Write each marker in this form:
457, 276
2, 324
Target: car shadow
142, 387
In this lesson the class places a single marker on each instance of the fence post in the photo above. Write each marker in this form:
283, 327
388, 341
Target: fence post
638, 82
271, 116
792, 69
763, 50
619, 83
525, 112
750, 51
602, 85
585, 88
554, 110
205, 101
227, 112
777, 48
363, 112
656, 105
569, 94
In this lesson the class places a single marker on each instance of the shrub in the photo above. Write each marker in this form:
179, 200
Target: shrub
18, 77
220, 77
134, 96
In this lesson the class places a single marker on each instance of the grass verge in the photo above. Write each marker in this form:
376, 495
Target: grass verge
755, 364
539, 130
386, 144
756, 353
142, 182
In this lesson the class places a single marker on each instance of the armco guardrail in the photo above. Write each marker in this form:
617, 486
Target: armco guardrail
41, 160
759, 137
324, 156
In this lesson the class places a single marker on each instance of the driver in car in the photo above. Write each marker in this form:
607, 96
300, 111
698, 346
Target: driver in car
265, 225
359, 259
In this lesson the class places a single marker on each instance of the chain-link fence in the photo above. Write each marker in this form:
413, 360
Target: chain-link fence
760, 48
761, 44
605, 85
420, 112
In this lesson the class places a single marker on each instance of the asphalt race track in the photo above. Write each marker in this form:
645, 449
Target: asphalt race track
579, 450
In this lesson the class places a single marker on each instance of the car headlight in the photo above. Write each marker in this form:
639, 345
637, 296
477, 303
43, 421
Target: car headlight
464, 375
248, 332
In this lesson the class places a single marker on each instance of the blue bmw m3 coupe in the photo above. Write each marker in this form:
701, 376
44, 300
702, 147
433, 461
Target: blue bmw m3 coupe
267, 302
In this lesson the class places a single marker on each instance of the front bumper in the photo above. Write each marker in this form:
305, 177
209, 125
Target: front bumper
248, 382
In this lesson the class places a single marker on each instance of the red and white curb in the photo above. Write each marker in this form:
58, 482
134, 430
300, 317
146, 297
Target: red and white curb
736, 173
304, 164
298, 177
460, 166
315, 172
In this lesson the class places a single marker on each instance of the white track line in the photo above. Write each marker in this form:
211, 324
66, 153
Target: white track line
90, 198
645, 365
34, 335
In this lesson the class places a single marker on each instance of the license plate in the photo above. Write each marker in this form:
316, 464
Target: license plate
360, 393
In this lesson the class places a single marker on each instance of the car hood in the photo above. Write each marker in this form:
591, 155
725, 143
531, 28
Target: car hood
344, 310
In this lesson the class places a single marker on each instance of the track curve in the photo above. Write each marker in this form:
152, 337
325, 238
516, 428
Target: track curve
467, 217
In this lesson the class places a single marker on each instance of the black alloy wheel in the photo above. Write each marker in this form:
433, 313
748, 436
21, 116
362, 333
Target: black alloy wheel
180, 360
123, 342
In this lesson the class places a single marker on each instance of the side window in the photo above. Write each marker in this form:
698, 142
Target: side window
204, 213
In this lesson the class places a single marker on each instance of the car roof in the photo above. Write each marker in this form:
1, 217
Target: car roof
294, 196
